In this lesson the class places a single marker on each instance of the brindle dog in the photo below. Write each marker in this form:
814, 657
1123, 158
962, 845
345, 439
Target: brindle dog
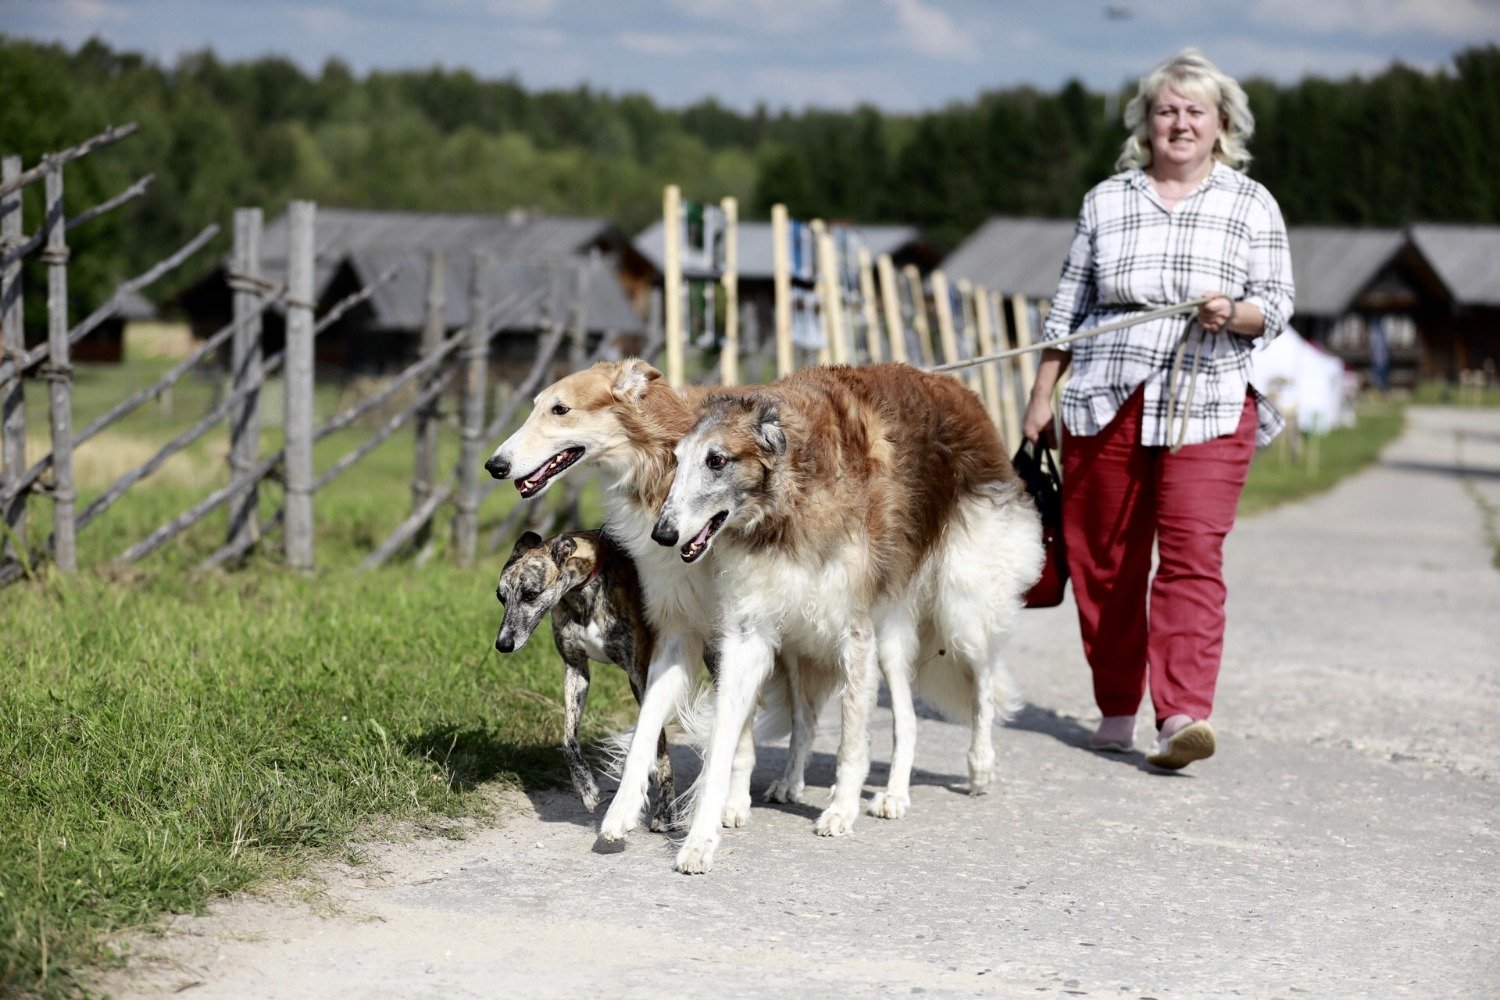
591, 587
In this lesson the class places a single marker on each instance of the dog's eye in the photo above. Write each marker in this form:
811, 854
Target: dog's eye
716, 461
529, 596
559, 409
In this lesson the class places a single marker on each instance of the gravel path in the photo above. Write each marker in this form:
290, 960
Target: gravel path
1342, 843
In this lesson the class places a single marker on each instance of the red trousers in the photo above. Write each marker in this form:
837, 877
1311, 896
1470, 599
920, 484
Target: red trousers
1118, 497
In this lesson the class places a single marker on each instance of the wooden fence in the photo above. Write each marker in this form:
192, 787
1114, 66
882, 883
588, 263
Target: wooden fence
445, 362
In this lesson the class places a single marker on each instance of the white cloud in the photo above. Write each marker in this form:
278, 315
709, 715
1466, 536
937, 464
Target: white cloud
1456, 19
824, 88
90, 13
526, 9
763, 17
931, 32
321, 20
680, 45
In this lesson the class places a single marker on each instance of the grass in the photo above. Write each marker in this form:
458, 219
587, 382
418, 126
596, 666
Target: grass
167, 736
1278, 477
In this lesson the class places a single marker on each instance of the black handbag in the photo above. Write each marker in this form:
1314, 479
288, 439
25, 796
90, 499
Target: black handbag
1038, 470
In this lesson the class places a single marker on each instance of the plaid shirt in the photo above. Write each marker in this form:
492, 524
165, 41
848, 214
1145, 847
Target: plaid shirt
1130, 254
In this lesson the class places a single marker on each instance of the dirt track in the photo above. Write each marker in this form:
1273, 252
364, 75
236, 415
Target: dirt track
1342, 843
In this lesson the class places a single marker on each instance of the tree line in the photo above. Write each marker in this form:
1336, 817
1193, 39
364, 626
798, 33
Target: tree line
1400, 146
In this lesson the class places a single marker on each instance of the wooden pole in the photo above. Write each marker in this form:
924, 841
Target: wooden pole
825, 307
1022, 311
873, 343
475, 359
969, 341
989, 376
434, 326
671, 214
244, 370
59, 373
1008, 373
942, 298
12, 389
298, 463
578, 337
890, 296
729, 353
836, 347
781, 235
919, 314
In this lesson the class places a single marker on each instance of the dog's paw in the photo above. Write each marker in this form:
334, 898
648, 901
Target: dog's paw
890, 805
782, 790
590, 797
836, 821
664, 821
737, 811
981, 782
617, 825
696, 856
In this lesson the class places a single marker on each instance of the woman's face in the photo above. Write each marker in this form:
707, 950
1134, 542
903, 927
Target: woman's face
1183, 129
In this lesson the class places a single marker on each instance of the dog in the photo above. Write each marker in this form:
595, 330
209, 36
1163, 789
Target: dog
858, 507
594, 594
621, 417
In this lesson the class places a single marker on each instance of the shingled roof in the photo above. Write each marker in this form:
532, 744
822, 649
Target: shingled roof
1331, 265
400, 303
755, 246
1467, 258
368, 242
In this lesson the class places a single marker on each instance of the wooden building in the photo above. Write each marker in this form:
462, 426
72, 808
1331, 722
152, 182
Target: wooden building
1432, 292
355, 246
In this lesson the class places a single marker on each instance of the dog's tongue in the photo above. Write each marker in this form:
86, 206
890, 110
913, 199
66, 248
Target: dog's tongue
700, 539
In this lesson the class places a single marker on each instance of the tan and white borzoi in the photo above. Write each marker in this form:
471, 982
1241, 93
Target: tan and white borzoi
939, 541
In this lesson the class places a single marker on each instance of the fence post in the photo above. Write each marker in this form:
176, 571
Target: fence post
874, 345
890, 295
298, 466
729, 354
59, 374
475, 359
244, 369
12, 344
782, 282
578, 348
672, 280
424, 465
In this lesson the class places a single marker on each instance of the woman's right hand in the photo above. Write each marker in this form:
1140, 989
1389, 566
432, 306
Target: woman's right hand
1038, 422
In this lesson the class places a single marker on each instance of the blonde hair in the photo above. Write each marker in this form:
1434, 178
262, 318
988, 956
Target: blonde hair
1191, 75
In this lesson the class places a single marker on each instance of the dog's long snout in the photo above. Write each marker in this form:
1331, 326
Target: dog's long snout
665, 532
504, 643
500, 469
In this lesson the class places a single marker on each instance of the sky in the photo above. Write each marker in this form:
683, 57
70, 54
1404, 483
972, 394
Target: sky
900, 55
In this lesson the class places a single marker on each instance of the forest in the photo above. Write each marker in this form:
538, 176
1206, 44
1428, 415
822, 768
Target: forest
1400, 146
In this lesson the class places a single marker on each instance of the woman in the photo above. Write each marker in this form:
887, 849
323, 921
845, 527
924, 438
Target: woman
1158, 440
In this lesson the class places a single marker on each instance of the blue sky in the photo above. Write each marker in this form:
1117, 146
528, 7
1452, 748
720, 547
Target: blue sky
897, 54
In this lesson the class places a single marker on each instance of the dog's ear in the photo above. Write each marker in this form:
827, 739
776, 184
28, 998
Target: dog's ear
574, 562
633, 377
767, 426
524, 544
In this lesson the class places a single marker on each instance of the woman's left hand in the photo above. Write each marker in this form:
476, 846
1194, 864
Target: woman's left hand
1214, 314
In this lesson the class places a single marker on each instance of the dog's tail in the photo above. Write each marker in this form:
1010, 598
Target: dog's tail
773, 716
946, 683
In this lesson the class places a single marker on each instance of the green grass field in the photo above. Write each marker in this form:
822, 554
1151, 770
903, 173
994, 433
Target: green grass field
167, 735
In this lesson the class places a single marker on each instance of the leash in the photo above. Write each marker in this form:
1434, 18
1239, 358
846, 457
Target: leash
1145, 317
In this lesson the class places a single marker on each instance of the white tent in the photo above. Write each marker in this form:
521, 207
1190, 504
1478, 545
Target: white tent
1302, 378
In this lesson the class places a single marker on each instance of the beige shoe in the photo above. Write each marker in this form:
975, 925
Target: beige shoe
1195, 741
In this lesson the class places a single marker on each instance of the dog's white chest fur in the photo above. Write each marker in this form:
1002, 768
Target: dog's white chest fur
592, 639
808, 604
